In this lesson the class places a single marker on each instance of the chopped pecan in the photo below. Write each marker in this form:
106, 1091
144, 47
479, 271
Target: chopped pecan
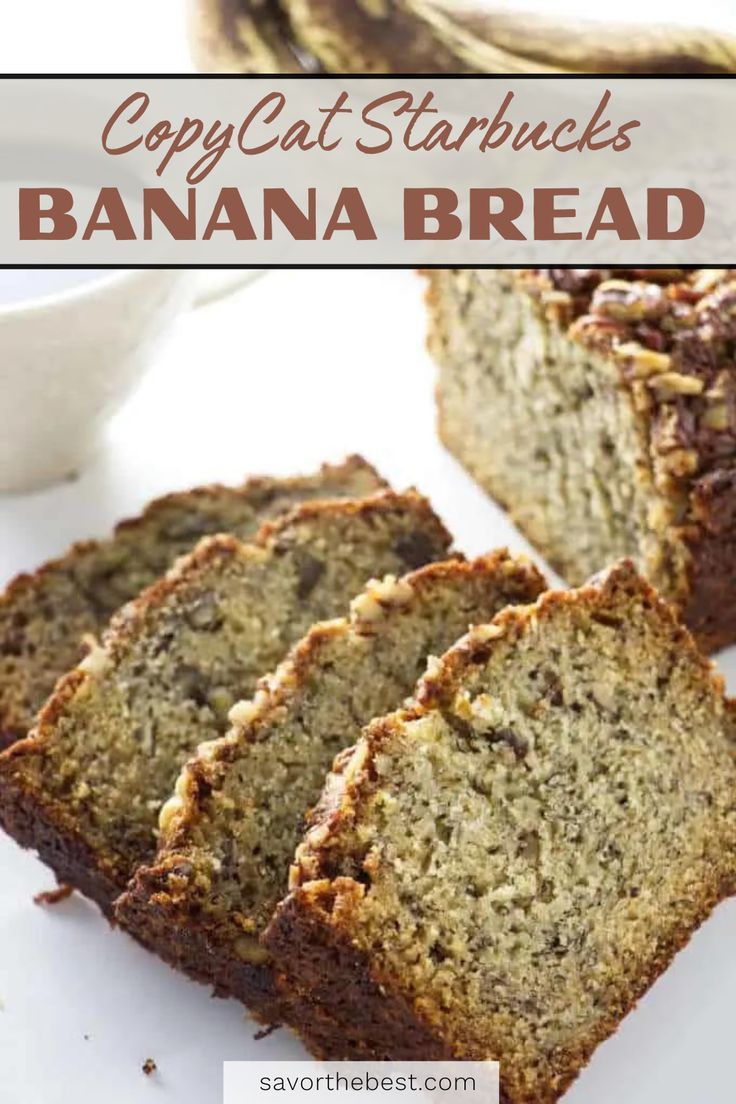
640, 361
628, 302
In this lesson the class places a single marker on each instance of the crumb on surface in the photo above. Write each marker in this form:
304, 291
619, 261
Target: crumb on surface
149, 1067
53, 896
265, 1032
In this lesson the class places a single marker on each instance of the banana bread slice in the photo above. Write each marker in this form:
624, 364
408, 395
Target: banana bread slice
230, 833
85, 788
45, 616
599, 407
502, 869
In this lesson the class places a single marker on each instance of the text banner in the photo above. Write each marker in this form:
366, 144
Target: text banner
271, 171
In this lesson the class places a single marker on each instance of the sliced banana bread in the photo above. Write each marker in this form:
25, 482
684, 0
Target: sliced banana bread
230, 833
502, 869
599, 407
45, 616
86, 786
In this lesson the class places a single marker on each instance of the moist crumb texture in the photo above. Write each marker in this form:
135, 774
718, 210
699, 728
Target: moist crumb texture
44, 617
230, 832
503, 868
599, 407
86, 787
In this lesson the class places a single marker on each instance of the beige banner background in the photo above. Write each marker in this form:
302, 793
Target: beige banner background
51, 137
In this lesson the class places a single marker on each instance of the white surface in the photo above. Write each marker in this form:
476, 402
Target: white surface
86, 36
147, 36
295, 369
68, 361
73, 346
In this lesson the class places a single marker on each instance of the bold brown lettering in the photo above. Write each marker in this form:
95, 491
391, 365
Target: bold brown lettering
109, 202
278, 202
30, 214
230, 203
503, 221
350, 201
613, 202
546, 214
182, 226
416, 214
692, 214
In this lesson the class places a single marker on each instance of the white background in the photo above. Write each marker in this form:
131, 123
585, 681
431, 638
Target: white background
297, 368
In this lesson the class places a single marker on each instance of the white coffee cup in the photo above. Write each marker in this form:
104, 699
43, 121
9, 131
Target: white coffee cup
73, 344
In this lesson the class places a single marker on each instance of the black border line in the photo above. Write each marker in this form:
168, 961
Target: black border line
371, 76
335, 267
277, 77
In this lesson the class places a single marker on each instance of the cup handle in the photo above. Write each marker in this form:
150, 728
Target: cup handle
215, 284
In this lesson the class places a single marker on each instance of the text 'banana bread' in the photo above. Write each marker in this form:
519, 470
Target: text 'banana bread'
85, 788
230, 833
502, 869
45, 616
599, 407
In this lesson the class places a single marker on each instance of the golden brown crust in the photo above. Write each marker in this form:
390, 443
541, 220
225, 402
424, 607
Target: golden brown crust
161, 905
311, 927
47, 827
43, 821
440, 686
368, 1019
312, 935
256, 492
158, 912
670, 332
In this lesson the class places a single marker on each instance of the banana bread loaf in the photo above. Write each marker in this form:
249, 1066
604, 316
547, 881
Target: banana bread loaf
599, 408
230, 833
45, 616
502, 869
85, 788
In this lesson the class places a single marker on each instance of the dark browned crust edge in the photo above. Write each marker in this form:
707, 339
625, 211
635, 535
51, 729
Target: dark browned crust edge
350, 507
189, 944
343, 1010
35, 819
436, 689
48, 829
332, 988
258, 488
710, 607
706, 598
159, 907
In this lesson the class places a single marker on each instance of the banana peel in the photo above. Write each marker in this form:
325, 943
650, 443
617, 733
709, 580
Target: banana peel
244, 36
438, 36
577, 45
